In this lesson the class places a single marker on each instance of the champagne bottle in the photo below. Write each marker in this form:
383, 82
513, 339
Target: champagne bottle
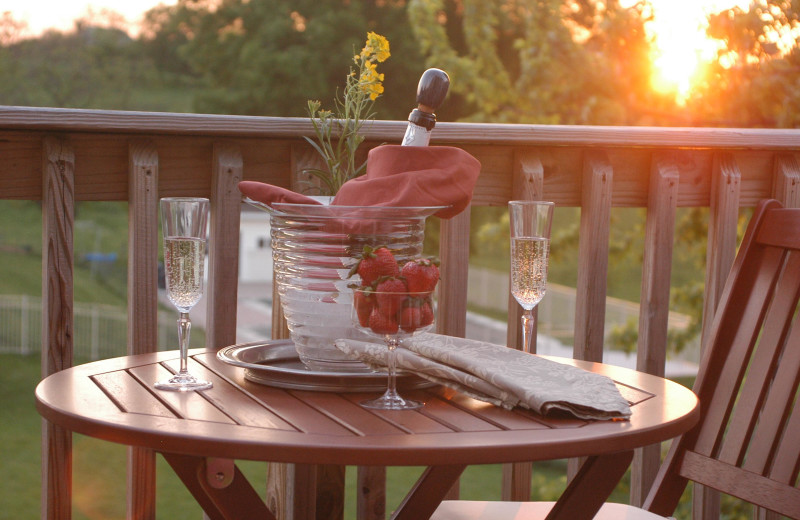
431, 91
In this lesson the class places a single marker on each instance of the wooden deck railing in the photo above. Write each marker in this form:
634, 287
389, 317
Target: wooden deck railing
60, 157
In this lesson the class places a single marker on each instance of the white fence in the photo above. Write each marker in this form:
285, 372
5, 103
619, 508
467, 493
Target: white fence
100, 330
556, 313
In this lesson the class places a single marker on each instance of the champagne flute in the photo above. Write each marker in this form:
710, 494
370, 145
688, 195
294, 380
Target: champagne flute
392, 316
530, 249
183, 224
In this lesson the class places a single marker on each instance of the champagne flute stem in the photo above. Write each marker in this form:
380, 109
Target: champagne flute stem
184, 329
391, 365
527, 330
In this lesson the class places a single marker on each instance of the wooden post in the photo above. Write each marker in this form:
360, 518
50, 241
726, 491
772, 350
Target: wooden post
527, 184
590, 309
722, 227
786, 181
654, 302
290, 493
595, 226
451, 314
143, 227
223, 262
58, 222
786, 189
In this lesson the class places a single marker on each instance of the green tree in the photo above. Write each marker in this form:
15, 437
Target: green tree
91, 66
549, 61
268, 57
755, 82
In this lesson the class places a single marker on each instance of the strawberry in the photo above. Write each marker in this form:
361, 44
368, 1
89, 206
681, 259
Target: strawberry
390, 293
364, 302
375, 263
382, 324
421, 275
425, 313
410, 317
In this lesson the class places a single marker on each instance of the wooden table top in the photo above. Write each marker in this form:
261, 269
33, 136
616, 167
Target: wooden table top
115, 400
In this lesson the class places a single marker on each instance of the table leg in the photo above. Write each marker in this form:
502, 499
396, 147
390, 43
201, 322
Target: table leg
219, 487
591, 486
428, 492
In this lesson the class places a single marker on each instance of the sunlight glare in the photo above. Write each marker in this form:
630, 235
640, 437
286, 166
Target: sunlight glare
681, 47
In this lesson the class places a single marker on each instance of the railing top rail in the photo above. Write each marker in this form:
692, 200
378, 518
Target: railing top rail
162, 123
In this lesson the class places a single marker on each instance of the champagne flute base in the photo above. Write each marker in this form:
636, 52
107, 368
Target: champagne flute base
183, 383
389, 401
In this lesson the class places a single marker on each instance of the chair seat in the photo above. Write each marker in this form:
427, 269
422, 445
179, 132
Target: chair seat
479, 510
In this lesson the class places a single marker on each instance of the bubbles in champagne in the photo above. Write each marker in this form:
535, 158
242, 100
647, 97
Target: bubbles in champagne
184, 260
529, 269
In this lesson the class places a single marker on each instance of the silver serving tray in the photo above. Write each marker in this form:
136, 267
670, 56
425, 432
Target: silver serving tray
276, 363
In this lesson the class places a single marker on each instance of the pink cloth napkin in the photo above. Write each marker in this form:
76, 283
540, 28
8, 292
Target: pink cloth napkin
396, 176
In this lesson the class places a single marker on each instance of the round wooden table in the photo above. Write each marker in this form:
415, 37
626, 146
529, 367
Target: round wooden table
238, 419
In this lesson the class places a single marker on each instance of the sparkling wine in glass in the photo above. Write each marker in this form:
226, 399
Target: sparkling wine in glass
183, 224
530, 250
392, 317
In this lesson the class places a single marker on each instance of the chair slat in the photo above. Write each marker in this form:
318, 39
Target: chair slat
735, 335
771, 431
786, 465
753, 488
780, 232
777, 406
763, 364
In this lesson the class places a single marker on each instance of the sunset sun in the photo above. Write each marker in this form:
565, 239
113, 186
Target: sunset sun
681, 47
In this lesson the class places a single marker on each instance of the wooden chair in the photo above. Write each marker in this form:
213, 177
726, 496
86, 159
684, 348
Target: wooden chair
747, 443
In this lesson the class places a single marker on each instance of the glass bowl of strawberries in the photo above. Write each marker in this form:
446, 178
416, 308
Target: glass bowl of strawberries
317, 253
391, 303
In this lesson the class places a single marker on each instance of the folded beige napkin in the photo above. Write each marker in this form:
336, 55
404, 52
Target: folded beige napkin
502, 376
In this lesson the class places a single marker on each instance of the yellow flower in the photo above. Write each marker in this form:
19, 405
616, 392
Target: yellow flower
376, 47
363, 86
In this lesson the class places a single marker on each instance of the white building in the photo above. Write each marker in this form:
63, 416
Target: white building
255, 250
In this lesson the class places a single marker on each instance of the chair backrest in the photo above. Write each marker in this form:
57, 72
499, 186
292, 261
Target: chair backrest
747, 443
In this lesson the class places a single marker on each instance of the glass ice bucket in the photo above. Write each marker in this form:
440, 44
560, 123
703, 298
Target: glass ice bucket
315, 248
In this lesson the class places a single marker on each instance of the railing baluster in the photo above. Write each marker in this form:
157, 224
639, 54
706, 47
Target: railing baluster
654, 302
142, 303
786, 180
722, 227
527, 183
786, 189
595, 227
58, 222
223, 262
595, 224
142, 247
287, 488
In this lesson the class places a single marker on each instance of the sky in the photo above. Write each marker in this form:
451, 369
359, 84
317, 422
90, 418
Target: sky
59, 14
